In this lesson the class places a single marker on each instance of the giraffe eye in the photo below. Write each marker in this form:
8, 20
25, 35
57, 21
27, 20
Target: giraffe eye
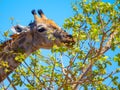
41, 29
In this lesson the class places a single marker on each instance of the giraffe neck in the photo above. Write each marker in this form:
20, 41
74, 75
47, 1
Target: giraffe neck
12, 49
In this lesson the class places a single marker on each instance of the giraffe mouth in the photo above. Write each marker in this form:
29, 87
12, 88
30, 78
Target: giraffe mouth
69, 41
64, 37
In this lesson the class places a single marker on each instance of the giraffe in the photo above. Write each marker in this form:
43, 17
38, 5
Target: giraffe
41, 33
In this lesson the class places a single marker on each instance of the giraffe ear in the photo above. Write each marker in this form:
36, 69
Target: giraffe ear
18, 29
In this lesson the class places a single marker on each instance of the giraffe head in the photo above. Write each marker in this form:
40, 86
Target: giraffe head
44, 32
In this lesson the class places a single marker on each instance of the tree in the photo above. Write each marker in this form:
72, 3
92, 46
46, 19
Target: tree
96, 29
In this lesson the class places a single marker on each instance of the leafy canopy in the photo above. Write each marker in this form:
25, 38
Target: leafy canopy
96, 28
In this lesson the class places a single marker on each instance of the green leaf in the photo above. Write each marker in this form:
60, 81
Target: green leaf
11, 18
85, 87
6, 33
75, 8
119, 86
118, 70
117, 59
108, 62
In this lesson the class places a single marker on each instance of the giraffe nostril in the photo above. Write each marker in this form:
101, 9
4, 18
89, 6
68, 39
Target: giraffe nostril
70, 36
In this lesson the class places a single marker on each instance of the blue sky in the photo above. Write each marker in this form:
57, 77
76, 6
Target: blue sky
57, 10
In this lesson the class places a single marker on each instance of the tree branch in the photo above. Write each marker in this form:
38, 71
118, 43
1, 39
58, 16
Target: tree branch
82, 75
101, 51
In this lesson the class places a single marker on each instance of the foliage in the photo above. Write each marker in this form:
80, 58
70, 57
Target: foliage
96, 29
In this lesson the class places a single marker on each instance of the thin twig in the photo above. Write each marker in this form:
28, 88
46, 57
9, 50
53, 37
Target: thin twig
32, 71
63, 68
11, 83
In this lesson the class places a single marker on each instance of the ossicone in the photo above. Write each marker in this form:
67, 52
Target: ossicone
36, 17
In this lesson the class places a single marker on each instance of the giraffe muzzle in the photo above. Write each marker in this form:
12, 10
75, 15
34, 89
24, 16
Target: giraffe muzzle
69, 40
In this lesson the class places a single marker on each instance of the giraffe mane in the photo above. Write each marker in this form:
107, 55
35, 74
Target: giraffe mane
4, 44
